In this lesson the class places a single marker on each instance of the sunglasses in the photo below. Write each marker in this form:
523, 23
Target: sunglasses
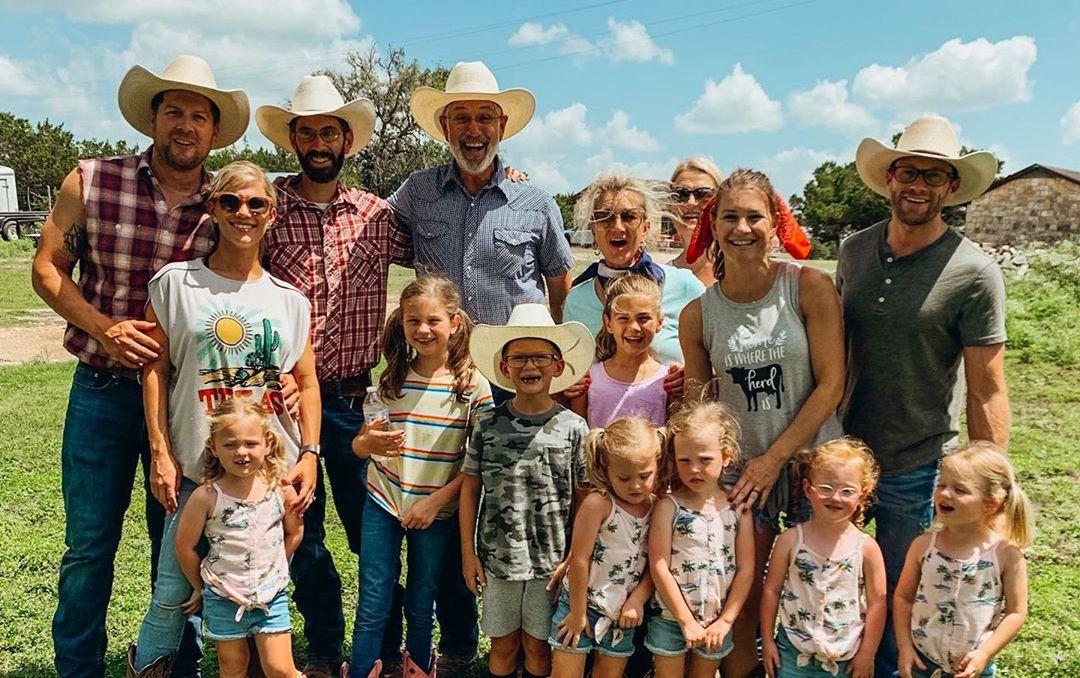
932, 177
607, 218
231, 203
327, 134
702, 194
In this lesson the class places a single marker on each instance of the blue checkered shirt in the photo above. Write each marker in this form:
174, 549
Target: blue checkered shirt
497, 246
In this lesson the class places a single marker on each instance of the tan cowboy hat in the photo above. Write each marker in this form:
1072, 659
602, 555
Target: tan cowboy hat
471, 81
533, 321
929, 136
186, 72
316, 95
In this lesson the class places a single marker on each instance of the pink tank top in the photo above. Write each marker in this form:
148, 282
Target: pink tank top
611, 399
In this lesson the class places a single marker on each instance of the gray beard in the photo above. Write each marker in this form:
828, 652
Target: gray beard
474, 167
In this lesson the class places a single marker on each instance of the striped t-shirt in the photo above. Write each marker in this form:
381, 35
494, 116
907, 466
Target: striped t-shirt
436, 426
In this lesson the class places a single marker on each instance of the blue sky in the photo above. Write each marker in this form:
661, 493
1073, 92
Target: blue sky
780, 85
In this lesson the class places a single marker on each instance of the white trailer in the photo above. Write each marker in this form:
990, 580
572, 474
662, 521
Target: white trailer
13, 223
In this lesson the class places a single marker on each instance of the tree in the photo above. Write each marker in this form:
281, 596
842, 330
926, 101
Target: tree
398, 146
566, 208
836, 202
271, 160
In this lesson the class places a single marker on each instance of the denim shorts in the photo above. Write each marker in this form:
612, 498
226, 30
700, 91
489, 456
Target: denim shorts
665, 638
219, 617
587, 643
789, 662
931, 668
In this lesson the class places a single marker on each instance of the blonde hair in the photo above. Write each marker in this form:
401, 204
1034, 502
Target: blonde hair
695, 415
990, 470
623, 287
738, 180
844, 450
230, 411
399, 354
237, 175
631, 439
655, 196
699, 163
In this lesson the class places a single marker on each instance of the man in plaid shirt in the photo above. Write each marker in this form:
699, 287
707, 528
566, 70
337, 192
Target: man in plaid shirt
120, 220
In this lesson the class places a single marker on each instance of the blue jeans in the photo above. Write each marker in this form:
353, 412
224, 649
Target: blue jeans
903, 509
789, 662
429, 553
163, 626
104, 439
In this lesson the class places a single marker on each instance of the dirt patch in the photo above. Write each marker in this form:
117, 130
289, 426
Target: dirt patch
34, 342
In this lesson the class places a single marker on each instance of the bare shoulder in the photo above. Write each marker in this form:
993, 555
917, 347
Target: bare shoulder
1010, 555
815, 280
920, 544
596, 501
202, 499
871, 549
691, 313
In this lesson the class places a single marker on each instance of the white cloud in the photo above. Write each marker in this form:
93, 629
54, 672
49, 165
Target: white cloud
619, 133
792, 168
546, 174
1070, 124
531, 34
18, 79
630, 41
735, 104
558, 131
958, 76
826, 105
605, 161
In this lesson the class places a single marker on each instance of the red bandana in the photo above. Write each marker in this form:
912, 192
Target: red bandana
788, 230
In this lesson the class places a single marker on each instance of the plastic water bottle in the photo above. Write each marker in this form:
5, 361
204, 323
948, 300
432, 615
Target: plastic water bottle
374, 408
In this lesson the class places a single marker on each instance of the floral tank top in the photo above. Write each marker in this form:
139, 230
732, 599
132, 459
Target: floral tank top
618, 563
246, 561
823, 605
958, 605
702, 559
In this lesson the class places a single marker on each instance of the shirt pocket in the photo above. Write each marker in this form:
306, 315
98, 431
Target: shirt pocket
364, 264
293, 263
512, 250
431, 242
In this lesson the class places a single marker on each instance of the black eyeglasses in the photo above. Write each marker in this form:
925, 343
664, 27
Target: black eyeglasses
933, 177
683, 194
327, 134
540, 360
230, 202
606, 218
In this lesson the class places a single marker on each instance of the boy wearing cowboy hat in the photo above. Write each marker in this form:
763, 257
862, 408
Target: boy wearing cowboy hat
918, 298
527, 455
120, 220
500, 242
335, 244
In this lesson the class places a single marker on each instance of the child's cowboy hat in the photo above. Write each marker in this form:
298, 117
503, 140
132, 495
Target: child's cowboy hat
533, 321
316, 95
186, 72
471, 81
929, 136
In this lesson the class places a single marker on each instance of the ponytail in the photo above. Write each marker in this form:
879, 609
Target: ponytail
989, 469
398, 356
1019, 523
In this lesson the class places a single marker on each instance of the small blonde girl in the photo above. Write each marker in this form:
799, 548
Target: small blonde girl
827, 577
240, 509
626, 379
701, 550
608, 582
962, 595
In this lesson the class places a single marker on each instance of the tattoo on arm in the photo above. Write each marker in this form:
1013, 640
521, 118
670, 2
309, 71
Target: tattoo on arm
75, 240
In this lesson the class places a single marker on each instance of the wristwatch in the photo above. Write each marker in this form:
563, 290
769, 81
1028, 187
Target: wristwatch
314, 449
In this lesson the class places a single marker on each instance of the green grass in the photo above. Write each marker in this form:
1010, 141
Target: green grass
18, 303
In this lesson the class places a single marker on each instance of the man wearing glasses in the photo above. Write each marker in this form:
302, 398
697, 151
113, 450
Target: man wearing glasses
920, 300
335, 245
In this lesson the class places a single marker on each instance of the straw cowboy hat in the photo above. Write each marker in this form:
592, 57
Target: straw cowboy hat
316, 95
471, 81
186, 72
929, 136
533, 321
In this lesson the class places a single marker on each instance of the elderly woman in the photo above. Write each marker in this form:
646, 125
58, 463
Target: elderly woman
226, 327
693, 183
768, 339
621, 211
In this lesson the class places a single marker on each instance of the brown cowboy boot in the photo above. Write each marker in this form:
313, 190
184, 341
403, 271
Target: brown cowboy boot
159, 668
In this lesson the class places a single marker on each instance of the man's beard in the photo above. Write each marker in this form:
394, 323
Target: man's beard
470, 166
324, 174
179, 164
916, 215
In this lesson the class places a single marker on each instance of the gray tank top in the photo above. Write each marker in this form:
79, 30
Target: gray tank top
761, 360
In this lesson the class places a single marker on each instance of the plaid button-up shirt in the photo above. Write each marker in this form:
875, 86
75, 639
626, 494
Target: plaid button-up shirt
130, 234
497, 246
338, 257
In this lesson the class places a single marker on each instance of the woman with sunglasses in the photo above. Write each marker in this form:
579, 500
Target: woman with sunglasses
693, 183
227, 328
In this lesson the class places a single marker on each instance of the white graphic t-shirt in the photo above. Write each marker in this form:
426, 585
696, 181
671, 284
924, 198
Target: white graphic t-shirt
226, 338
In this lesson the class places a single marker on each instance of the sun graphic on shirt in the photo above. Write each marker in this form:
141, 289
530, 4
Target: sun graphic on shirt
229, 331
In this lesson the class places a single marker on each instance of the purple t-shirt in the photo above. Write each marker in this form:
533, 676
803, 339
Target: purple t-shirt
611, 399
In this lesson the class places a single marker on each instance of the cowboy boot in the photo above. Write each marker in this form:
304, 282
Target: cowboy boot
159, 668
411, 669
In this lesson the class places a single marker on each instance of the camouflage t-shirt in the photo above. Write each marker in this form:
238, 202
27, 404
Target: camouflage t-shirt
528, 467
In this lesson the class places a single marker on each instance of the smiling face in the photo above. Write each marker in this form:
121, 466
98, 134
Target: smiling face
958, 501
428, 327
241, 447
183, 129
834, 490
633, 323
743, 227
530, 379
320, 159
689, 213
918, 203
621, 237
473, 131
633, 481
244, 228
699, 459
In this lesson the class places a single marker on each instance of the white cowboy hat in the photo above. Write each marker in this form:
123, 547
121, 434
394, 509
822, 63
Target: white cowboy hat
186, 72
929, 136
533, 321
471, 81
316, 95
